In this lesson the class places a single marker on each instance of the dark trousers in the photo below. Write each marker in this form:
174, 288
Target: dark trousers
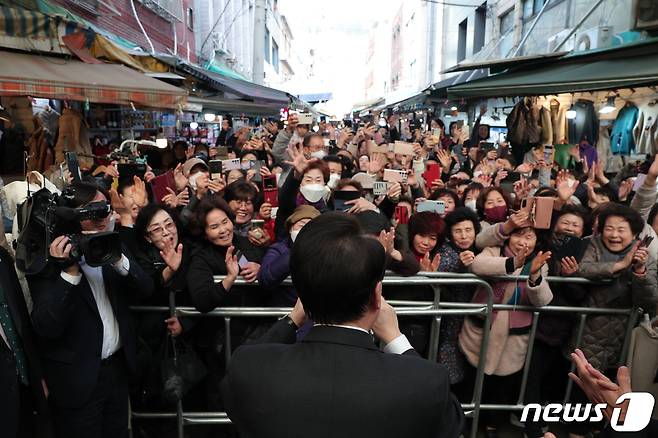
105, 415
16, 402
547, 381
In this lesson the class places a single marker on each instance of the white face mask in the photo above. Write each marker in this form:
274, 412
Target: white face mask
318, 154
471, 204
192, 180
313, 192
294, 234
333, 180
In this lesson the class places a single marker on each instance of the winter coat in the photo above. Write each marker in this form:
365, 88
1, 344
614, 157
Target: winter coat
558, 114
73, 137
508, 341
523, 125
546, 125
275, 268
586, 124
38, 145
645, 131
621, 138
603, 335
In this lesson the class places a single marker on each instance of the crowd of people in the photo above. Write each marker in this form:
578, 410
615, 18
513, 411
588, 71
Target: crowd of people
434, 200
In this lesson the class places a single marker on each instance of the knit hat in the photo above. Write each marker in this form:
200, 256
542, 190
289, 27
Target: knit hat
189, 164
301, 212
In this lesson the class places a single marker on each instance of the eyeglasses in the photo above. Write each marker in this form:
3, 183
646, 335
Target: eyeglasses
160, 228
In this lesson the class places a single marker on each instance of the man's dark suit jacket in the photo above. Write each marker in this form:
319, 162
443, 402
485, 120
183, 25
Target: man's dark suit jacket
336, 383
70, 330
21, 318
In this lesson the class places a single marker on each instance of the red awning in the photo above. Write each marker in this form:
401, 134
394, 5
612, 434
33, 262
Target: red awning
23, 74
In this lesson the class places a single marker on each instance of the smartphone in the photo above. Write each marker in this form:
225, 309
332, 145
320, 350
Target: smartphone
379, 188
270, 191
257, 224
258, 178
305, 118
404, 148
340, 197
437, 206
436, 132
646, 241
222, 152
128, 170
73, 166
391, 175
548, 154
401, 215
242, 260
233, 164
215, 167
432, 173
160, 183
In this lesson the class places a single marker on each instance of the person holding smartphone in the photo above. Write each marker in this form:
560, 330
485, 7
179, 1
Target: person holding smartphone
244, 200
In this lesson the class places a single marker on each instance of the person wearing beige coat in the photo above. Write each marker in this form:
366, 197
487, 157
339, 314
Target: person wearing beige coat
508, 341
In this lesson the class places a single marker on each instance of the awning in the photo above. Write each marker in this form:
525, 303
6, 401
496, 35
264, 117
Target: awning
24, 74
367, 104
501, 64
229, 106
566, 76
243, 89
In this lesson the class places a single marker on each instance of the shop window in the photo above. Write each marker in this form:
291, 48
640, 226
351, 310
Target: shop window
461, 40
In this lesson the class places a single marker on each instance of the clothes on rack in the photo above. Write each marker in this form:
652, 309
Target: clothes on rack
545, 125
612, 163
39, 147
523, 130
559, 122
49, 119
645, 131
621, 138
73, 137
586, 124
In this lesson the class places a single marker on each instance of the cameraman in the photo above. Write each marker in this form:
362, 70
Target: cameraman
86, 336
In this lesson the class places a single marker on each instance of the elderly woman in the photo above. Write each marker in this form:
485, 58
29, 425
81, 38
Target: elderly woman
457, 255
615, 253
509, 333
244, 200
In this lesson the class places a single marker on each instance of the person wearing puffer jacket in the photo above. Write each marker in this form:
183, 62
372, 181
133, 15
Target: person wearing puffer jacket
509, 333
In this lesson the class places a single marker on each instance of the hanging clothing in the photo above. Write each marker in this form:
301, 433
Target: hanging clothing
621, 138
546, 126
523, 129
39, 148
645, 131
586, 124
73, 137
559, 122
611, 163
49, 119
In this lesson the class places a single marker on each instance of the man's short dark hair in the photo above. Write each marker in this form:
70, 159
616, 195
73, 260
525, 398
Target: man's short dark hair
82, 193
335, 268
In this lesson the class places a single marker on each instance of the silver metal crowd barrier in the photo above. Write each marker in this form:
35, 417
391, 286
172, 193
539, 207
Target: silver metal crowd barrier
435, 309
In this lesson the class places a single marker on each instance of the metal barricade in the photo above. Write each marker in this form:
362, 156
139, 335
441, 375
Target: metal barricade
435, 309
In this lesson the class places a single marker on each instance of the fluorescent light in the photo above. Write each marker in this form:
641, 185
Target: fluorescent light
453, 108
609, 106
161, 143
382, 122
209, 117
571, 113
194, 125
316, 128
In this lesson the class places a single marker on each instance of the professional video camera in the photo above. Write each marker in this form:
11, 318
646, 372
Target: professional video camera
45, 216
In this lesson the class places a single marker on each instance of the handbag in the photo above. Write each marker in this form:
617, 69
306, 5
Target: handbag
181, 369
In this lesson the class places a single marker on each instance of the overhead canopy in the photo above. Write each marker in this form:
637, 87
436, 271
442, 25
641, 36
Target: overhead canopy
235, 106
501, 64
24, 74
566, 76
243, 89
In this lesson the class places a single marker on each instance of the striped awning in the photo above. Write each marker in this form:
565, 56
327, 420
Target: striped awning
23, 74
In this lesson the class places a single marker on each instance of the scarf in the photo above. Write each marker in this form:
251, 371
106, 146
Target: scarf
320, 206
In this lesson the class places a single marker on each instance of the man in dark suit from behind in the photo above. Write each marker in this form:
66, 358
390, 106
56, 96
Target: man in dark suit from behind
336, 382
24, 409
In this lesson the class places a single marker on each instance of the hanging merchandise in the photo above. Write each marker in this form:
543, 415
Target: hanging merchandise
39, 146
545, 125
611, 163
523, 130
559, 121
73, 137
645, 131
621, 138
586, 124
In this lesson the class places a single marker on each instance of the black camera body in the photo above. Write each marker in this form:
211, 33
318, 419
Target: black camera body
45, 216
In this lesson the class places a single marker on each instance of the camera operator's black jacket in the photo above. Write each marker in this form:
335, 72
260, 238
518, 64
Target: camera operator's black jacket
70, 331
